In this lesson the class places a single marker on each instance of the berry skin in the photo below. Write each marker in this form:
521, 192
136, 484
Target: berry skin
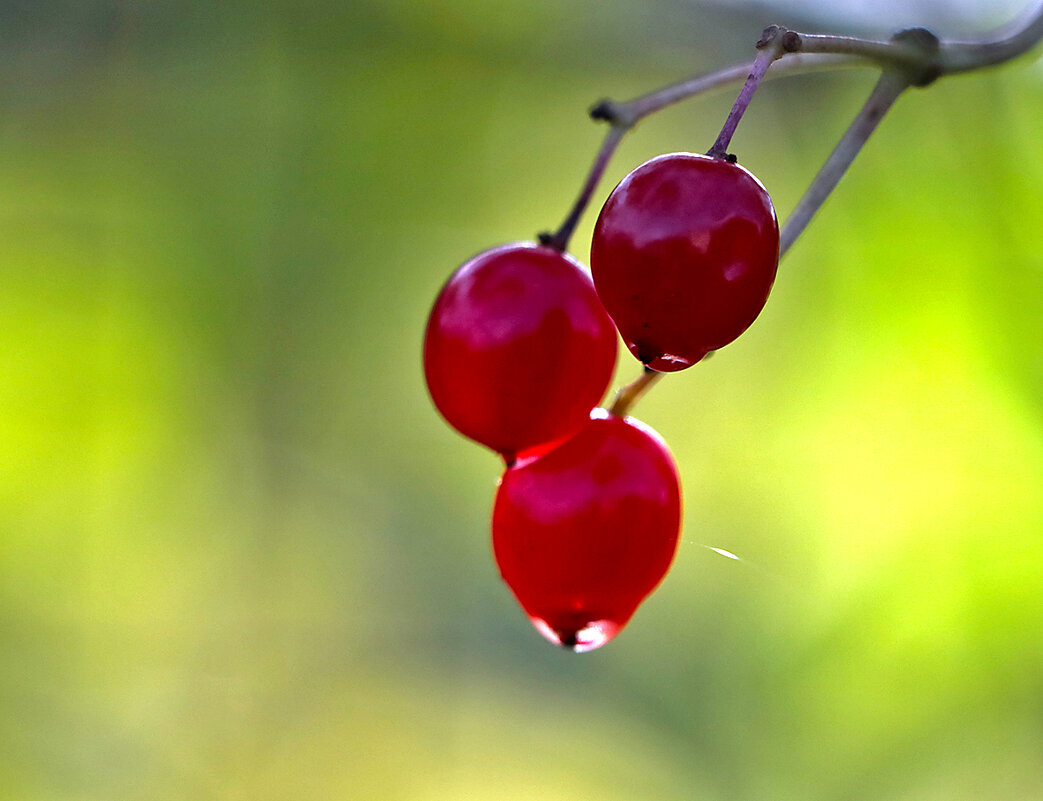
583, 533
518, 348
683, 257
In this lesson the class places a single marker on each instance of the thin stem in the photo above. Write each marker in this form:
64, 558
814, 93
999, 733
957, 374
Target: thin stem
624, 116
887, 54
921, 57
936, 59
674, 93
629, 394
798, 63
885, 93
996, 47
764, 59
559, 240
911, 58
924, 58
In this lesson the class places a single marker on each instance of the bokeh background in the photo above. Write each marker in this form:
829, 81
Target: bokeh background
241, 557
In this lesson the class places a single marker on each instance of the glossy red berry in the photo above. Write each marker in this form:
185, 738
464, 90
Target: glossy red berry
683, 257
518, 348
585, 532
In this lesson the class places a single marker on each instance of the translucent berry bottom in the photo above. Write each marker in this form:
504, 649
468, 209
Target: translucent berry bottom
585, 636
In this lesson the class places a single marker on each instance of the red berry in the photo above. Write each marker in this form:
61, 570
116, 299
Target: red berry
683, 256
518, 348
583, 533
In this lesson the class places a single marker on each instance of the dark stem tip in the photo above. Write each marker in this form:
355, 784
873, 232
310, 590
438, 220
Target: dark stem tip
716, 153
558, 240
603, 110
568, 640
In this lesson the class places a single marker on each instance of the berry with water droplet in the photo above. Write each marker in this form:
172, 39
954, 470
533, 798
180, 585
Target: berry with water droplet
583, 533
518, 348
683, 256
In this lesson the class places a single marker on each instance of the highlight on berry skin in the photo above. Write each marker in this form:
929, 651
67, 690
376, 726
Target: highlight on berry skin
585, 532
518, 348
684, 255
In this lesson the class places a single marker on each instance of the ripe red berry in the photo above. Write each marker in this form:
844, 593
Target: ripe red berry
683, 257
583, 533
518, 348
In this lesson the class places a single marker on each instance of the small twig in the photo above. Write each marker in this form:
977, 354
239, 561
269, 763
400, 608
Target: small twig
886, 54
1001, 45
795, 64
559, 240
916, 53
629, 394
923, 58
914, 57
935, 59
886, 91
768, 50
623, 116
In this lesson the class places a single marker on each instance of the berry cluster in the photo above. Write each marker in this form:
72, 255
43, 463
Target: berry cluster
520, 348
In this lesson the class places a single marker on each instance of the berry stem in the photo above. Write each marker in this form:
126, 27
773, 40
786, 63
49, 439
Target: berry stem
623, 116
890, 85
628, 395
769, 49
921, 58
559, 240
911, 58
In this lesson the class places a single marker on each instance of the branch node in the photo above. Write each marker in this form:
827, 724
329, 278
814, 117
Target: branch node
617, 114
603, 110
768, 36
926, 47
791, 42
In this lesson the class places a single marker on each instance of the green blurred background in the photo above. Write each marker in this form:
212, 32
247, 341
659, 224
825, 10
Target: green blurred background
241, 557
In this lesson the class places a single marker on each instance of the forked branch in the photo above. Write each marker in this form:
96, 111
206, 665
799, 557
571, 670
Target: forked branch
914, 57
917, 54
